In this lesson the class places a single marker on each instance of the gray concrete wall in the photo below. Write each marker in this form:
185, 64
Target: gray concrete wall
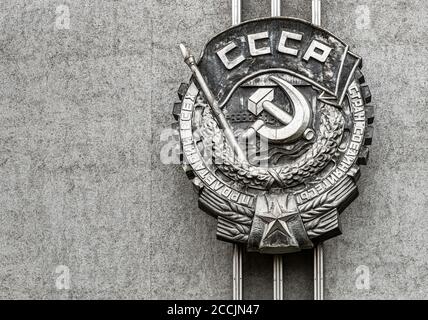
82, 107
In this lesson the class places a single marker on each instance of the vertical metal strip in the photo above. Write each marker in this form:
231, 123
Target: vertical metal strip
316, 12
278, 283
315, 273
319, 272
316, 288
276, 8
236, 12
237, 249
318, 250
237, 272
275, 280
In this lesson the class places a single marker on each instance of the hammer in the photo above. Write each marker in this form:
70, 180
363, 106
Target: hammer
259, 101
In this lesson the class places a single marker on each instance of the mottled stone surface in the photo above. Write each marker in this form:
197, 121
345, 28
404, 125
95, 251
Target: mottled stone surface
81, 181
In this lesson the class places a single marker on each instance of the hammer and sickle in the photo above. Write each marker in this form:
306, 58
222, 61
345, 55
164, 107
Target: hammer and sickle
294, 126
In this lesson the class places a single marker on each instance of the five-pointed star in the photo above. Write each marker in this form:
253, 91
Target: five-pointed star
276, 220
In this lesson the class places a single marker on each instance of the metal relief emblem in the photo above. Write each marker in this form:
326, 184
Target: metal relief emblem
273, 127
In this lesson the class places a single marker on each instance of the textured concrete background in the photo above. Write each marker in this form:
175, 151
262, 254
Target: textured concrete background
81, 184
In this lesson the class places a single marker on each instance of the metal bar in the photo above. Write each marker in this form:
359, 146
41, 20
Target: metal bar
318, 250
315, 274
276, 8
237, 249
236, 12
275, 280
319, 272
316, 12
278, 281
237, 272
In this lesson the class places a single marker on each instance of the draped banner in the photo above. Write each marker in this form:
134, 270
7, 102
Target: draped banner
283, 45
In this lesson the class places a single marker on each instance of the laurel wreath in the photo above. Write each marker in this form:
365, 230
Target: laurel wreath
313, 214
314, 160
319, 205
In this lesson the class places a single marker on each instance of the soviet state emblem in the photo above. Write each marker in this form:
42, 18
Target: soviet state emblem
273, 127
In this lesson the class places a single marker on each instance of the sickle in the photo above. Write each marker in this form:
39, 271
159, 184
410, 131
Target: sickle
301, 118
